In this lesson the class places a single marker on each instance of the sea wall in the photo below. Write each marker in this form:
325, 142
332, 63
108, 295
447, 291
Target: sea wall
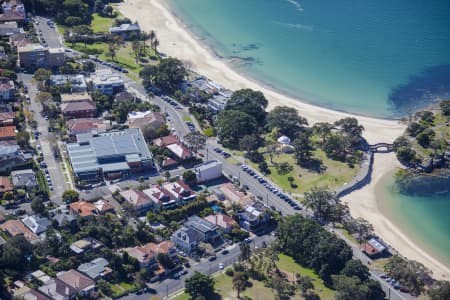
361, 179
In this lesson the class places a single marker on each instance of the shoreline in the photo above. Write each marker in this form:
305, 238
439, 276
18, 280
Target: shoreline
364, 203
178, 41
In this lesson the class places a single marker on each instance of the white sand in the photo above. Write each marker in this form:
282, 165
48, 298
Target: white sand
363, 203
177, 41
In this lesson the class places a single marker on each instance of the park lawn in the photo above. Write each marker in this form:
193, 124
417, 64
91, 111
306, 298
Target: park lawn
187, 119
224, 287
288, 265
335, 175
101, 24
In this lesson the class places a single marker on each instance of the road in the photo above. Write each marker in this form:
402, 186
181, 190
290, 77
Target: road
170, 286
47, 140
48, 34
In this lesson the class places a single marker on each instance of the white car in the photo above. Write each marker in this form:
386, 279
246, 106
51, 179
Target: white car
221, 266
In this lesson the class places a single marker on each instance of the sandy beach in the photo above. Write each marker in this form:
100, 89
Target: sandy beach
363, 203
177, 41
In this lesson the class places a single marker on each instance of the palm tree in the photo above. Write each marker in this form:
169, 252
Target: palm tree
136, 46
144, 38
239, 282
152, 36
155, 45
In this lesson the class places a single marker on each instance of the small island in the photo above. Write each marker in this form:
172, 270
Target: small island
424, 150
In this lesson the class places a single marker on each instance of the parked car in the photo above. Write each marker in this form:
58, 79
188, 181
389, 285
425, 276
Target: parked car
221, 266
212, 258
225, 252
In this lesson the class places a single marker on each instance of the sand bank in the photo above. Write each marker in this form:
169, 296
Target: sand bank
363, 203
177, 41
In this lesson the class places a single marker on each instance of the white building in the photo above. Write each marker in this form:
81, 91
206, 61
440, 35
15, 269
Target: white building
107, 82
208, 171
36, 224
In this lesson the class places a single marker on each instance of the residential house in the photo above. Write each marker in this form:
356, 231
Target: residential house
254, 217
15, 227
228, 193
75, 97
77, 83
26, 293
24, 179
19, 40
7, 133
138, 199
96, 268
164, 247
7, 90
146, 118
209, 170
206, 230
186, 239
160, 197
124, 97
125, 30
179, 191
107, 82
79, 109
67, 284
85, 125
83, 209
224, 222
56, 57
5, 185
36, 224
62, 216
12, 16
9, 28
110, 155
7, 118
10, 155
178, 150
40, 276
13, 5
218, 103
145, 257
103, 206
374, 248
83, 245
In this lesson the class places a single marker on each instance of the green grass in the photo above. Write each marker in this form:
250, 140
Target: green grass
101, 24
224, 287
336, 173
122, 288
288, 265
187, 119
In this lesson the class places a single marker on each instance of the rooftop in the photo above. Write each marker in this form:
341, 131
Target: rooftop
8, 132
125, 27
85, 125
83, 208
200, 224
75, 97
75, 280
71, 107
15, 227
95, 268
5, 185
107, 150
135, 197
36, 224
24, 178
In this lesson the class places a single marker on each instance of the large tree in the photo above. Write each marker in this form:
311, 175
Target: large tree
250, 102
325, 204
195, 140
233, 125
286, 119
167, 75
199, 285
303, 148
240, 282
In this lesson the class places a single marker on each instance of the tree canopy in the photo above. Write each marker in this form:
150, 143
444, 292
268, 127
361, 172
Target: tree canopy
199, 285
251, 102
167, 75
232, 125
286, 119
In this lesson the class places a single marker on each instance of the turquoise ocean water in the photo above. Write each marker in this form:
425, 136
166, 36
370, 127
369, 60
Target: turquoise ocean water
425, 219
368, 57
380, 58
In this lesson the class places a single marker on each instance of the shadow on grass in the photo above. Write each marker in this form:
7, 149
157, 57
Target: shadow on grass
315, 165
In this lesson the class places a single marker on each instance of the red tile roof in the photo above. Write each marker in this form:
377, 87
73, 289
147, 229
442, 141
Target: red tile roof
5, 184
165, 140
11, 16
70, 107
8, 132
83, 208
15, 227
162, 247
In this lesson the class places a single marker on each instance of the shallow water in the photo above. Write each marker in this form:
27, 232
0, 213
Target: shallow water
380, 58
